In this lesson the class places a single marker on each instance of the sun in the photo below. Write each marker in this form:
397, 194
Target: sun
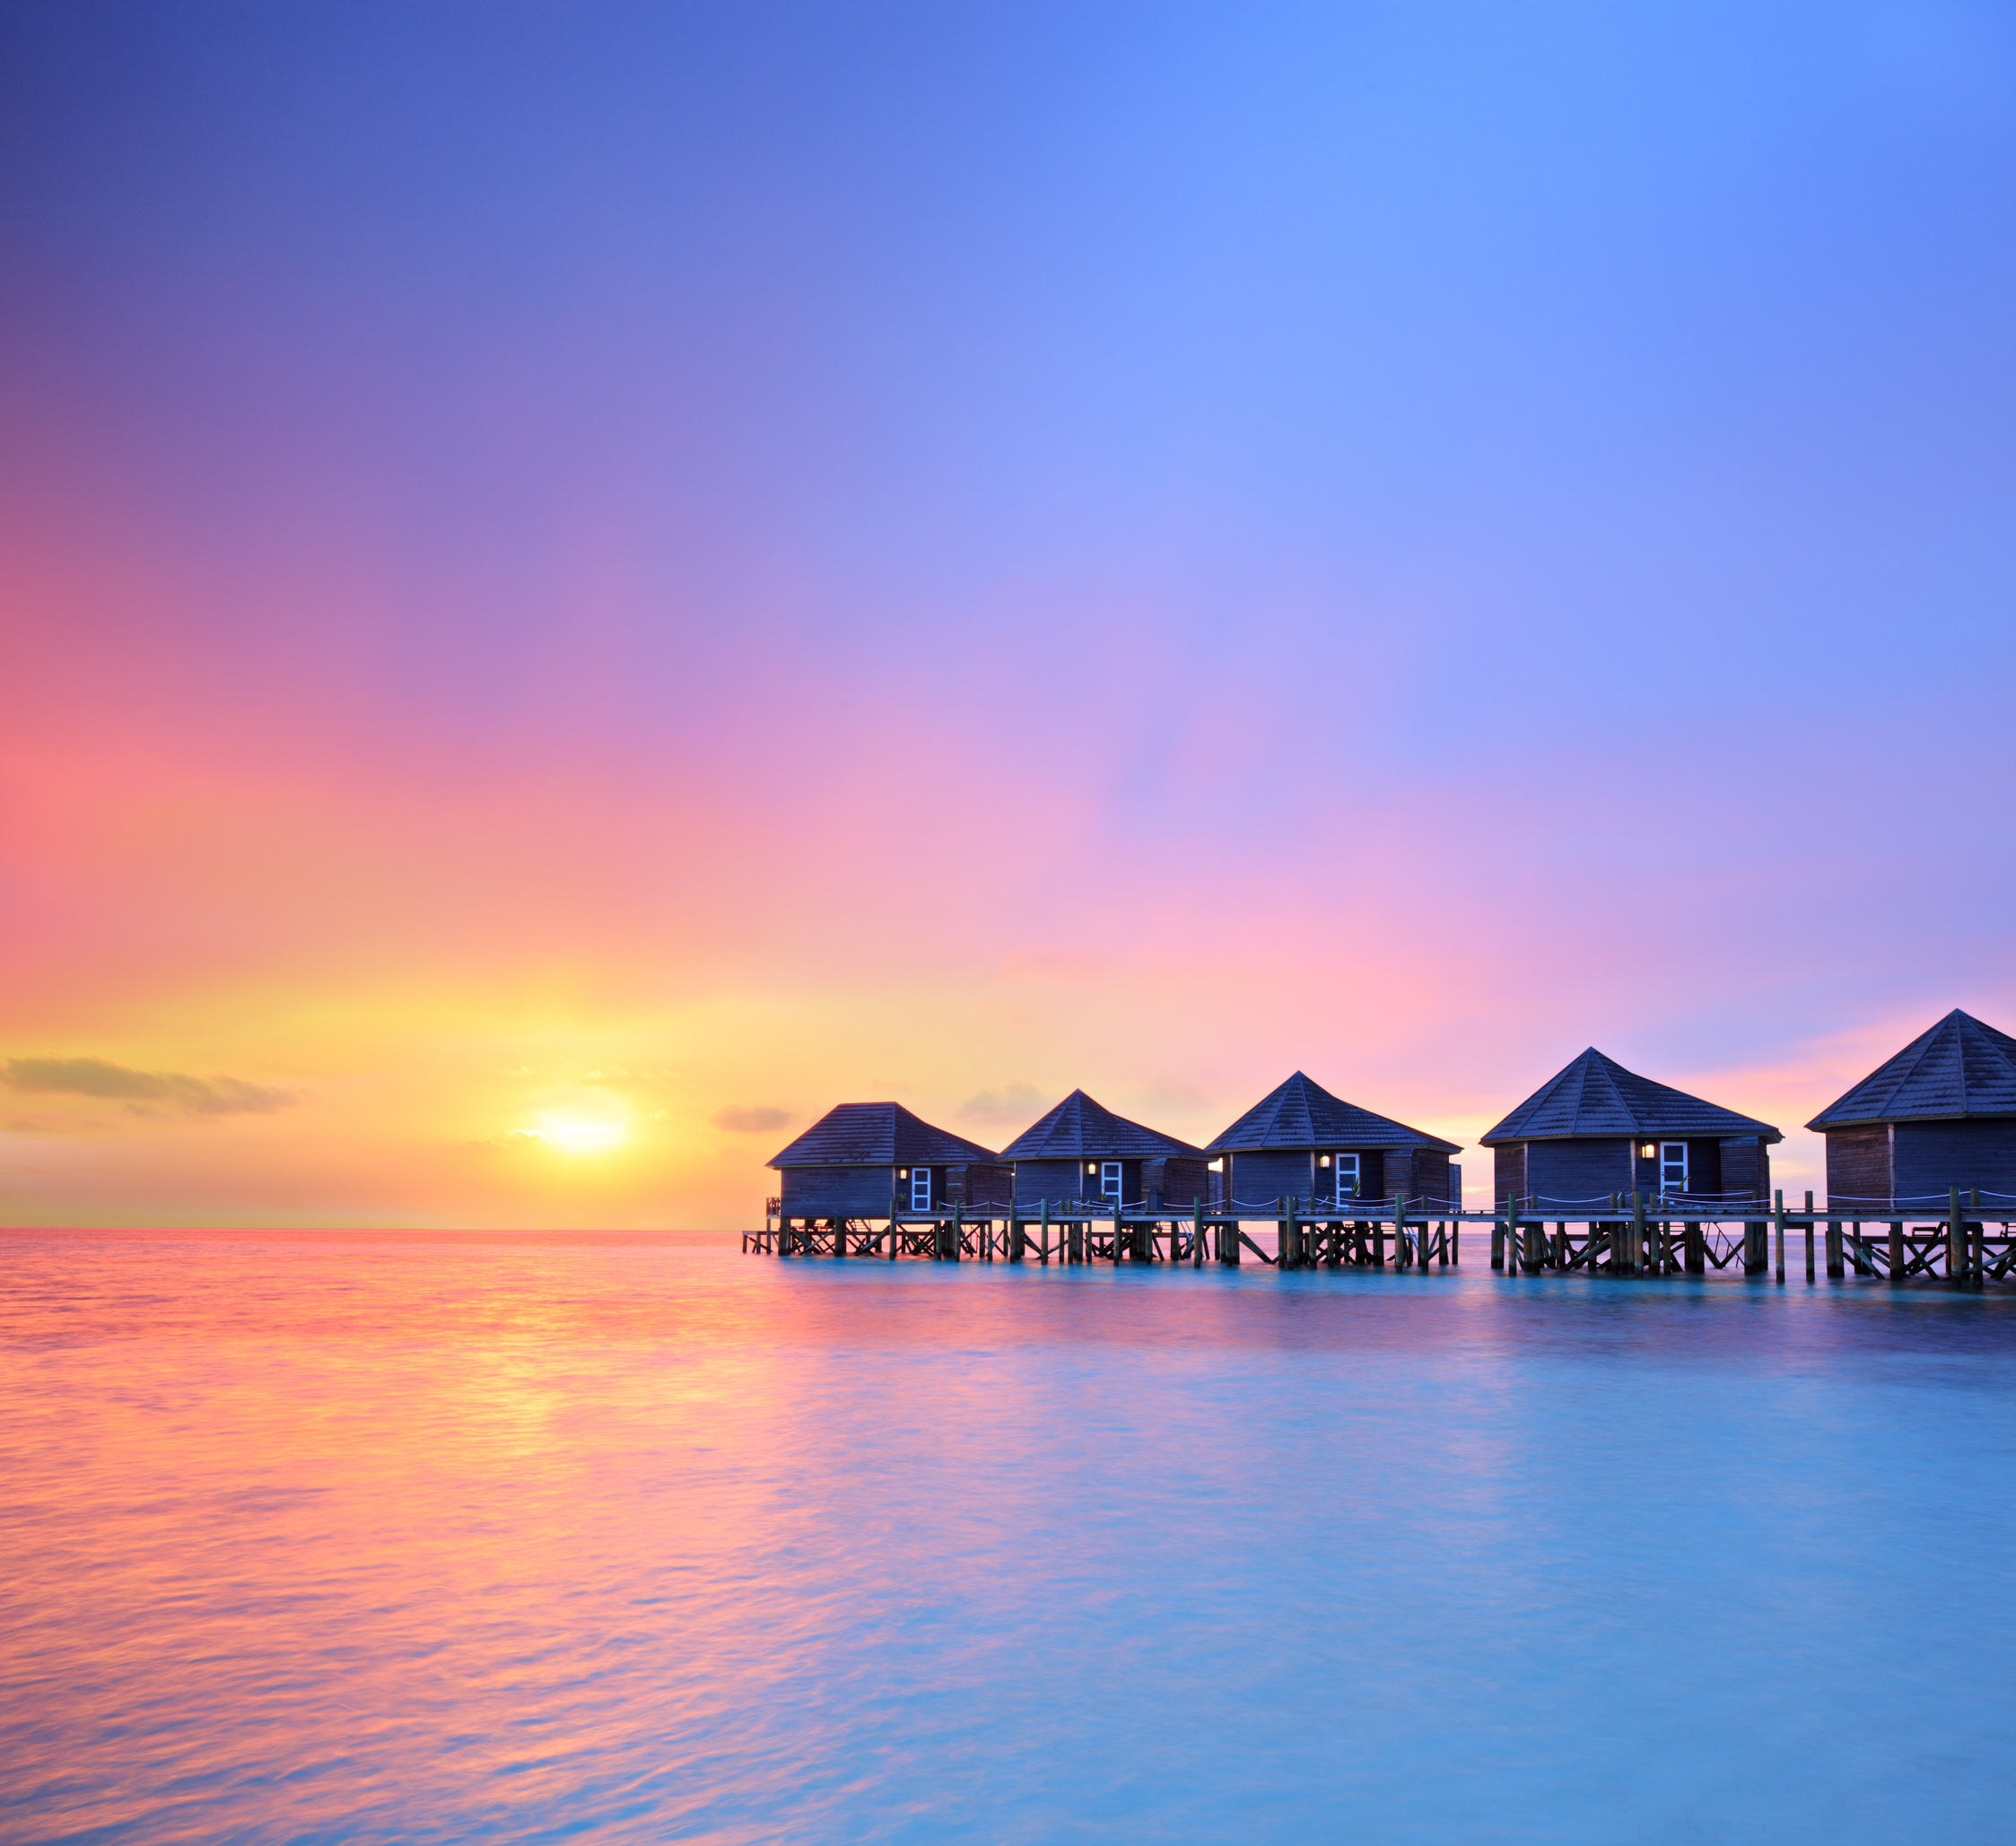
580, 1122
579, 1138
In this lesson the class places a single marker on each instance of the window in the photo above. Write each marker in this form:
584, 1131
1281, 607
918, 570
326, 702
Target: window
1347, 1176
919, 1188
1673, 1167
1108, 1180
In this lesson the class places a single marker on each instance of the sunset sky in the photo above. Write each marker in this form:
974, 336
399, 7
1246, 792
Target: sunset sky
580, 584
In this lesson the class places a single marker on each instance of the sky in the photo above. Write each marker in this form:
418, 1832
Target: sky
579, 584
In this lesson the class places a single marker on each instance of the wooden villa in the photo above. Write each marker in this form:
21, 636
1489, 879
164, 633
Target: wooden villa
864, 1160
1941, 1114
1597, 1129
1082, 1151
1301, 1142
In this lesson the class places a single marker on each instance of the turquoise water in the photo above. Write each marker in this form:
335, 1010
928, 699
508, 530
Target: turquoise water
317, 1541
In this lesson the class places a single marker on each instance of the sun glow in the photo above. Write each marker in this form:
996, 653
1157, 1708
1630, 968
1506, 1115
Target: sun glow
581, 1122
581, 1138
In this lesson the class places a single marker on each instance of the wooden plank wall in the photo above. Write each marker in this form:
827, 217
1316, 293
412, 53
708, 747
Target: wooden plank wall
1930, 1156
1430, 1180
1587, 1167
1858, 1163
1273, 1174
1173, 1182
1703, 1169
1746, 1167
981, 1186
1053, 1180
836, 1192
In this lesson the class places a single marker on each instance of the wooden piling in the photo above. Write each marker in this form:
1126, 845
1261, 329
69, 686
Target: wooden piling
1837, 1262
1808, 1237
1778, 1222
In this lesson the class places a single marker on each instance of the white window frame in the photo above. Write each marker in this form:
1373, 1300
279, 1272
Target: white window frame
1348, 1170
1666, 1190
1112, 1178
919, 1188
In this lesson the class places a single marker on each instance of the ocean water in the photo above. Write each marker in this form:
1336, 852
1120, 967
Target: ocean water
354, 1541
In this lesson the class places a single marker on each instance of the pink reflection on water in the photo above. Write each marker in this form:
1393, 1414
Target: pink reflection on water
417, 1542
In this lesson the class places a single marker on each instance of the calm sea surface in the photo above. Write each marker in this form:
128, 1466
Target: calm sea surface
359, 1541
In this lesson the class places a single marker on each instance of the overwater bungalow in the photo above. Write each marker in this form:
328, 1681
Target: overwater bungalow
1301, 1141
859, 1159
1598, 1128
1941, 1113
1081, 1151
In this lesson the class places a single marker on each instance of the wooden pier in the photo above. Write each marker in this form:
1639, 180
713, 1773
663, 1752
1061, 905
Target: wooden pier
1961, 1244
1395, 1233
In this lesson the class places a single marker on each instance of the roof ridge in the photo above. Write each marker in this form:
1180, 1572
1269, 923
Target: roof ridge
1997, 1041
1930, 1038
1601, 1063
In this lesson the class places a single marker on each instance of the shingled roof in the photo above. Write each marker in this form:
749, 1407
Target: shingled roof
1961, 1066
1079, 1128
875, 1135
1304, 1114
1596, 1095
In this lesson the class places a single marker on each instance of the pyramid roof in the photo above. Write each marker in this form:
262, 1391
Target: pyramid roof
1302, 1113
1079, 1128
1961, 1066
875, 1135
1596, 1096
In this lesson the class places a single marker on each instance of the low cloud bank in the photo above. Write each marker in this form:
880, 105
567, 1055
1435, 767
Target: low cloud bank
97, 1077
757, 1119
1019, 1103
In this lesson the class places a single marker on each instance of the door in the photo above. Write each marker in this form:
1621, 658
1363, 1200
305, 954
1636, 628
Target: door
919, 1188
1347, 1176
1108, 1180
1672, 1169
